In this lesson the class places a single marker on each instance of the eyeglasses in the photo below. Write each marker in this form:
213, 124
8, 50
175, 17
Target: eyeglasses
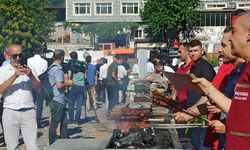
14, 56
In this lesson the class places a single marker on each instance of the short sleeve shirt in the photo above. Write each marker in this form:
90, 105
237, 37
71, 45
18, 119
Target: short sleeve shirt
113, 67
19, 94
56, 75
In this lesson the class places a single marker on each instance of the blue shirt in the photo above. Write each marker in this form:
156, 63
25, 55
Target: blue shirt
56, 75
229, 89
91, 72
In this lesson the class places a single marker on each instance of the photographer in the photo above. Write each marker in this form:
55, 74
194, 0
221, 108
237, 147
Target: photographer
16, 84
77, 70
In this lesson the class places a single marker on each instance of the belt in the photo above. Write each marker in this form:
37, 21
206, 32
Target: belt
242, 134
25, 109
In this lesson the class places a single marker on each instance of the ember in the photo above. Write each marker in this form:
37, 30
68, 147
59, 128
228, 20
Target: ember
141, 138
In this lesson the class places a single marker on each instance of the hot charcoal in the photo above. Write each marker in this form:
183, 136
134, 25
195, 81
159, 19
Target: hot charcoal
141, 138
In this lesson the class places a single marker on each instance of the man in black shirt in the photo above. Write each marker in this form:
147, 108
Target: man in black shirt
201, 69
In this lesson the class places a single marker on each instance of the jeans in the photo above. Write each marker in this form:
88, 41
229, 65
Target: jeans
112, 91
76, 96
98, 90
91, 99
125, 81
13, 122
58, 115
197, 136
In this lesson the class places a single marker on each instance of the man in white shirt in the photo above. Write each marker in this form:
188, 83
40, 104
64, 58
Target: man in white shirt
150, 68
39, 65
102, 77
121, 73
16, 85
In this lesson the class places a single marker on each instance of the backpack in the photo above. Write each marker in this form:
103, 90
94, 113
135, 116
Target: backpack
47, 88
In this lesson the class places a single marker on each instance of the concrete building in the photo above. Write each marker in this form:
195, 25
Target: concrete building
214, 14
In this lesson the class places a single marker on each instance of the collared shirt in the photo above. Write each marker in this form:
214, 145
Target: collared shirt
37, 63
19, 94
56, 75
122, 72
103, 71
183, 69
6, 62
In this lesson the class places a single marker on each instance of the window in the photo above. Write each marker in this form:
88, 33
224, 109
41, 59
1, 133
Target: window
82, 8
216, 6
130, 8
103, 8
243, 5
139, 34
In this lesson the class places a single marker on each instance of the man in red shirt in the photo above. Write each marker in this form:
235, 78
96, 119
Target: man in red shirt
183, 69
238, 122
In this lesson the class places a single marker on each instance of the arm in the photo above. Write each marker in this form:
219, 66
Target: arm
220, 99
218, 126
184, 117
5, 85
36, 84
62, 83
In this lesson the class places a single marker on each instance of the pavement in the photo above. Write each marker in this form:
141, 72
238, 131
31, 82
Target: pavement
89, 128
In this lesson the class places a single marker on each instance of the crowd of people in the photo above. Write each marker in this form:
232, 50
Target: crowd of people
73, 84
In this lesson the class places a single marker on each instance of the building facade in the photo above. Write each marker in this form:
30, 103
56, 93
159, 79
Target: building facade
214, 16
103, 10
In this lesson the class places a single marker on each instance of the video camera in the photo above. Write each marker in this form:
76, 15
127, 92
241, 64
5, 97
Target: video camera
76, 66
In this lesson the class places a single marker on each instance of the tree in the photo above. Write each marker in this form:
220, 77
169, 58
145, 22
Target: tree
24, 22
163, 15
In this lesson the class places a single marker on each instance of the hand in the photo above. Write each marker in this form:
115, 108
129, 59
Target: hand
205, 85
20, 70
212, 108
182, 117
218, 126
28, 71
70, 82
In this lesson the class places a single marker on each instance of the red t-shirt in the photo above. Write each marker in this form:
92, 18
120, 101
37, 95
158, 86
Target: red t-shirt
183, 69
219, 81
238, 118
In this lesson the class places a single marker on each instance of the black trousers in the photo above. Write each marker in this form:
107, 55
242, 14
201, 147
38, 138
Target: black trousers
58, 115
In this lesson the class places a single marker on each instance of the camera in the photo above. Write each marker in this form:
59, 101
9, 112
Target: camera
76, 66
23, 61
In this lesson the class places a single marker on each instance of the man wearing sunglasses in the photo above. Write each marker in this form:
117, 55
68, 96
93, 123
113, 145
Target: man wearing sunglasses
16, 84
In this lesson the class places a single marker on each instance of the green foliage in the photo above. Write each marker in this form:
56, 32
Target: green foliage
213, 61
161, 15
24, 22
103, 30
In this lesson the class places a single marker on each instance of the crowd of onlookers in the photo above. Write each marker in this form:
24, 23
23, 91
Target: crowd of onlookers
74, 84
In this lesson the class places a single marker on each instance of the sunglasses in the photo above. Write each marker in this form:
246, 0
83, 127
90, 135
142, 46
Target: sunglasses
14, 56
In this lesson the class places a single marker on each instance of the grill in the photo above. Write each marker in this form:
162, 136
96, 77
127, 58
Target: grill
148, 138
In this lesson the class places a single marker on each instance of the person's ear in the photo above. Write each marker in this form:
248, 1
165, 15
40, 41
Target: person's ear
248, 35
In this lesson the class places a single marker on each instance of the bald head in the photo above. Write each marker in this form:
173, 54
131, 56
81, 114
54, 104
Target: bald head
240, 38
15, 53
